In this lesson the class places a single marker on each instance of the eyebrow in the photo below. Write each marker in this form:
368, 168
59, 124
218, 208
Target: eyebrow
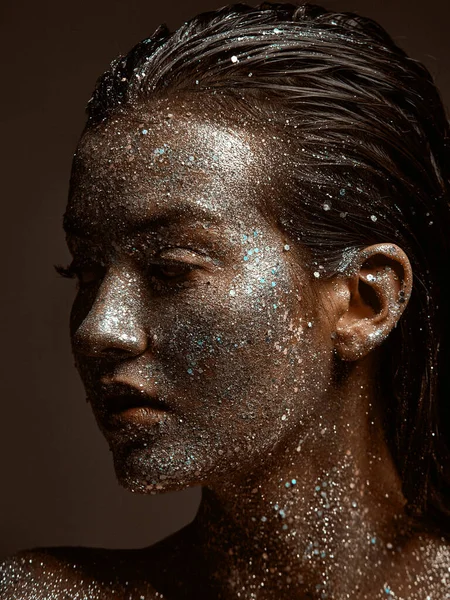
74, 226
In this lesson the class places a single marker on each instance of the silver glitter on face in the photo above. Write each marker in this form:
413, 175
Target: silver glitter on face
221, 344
210, 355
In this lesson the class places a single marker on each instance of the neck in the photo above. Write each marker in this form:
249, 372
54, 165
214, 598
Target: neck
322, 503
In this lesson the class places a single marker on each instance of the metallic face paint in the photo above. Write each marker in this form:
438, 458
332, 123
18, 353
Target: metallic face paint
188, 294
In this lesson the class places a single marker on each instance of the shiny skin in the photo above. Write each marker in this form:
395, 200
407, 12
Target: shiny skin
206, 312
170, 222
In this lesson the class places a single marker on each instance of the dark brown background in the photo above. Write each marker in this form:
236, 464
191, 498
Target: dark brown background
57, 480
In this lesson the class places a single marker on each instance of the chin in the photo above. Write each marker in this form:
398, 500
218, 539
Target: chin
137, 485
144, 470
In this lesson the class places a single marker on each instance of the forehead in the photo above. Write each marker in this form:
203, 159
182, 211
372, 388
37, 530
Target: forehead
173, 162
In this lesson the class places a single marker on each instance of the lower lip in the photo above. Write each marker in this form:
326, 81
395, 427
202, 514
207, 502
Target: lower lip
140, 415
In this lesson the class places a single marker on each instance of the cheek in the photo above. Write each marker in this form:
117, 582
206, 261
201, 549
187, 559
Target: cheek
240, 352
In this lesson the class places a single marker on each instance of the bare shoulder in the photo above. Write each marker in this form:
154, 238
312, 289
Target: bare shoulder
433, 552
422, 566
161, 571
75, 573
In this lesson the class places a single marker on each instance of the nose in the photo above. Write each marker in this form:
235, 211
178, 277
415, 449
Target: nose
112, 327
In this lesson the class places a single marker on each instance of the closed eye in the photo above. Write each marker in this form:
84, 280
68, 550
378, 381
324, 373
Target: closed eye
172, 271
66, 272
86, 274
177, 265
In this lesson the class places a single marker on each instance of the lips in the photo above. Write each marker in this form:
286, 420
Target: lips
119, 397
121, 408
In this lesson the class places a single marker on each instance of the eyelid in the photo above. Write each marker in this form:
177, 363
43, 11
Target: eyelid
75, 270
68, 272
187, 256
168, 256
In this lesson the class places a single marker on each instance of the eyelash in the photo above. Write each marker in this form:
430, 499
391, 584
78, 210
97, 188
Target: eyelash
71, 271
68, 272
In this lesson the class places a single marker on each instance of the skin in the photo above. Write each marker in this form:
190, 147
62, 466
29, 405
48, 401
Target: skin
189, 294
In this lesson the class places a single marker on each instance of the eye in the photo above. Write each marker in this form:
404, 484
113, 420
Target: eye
87, 274
172, 271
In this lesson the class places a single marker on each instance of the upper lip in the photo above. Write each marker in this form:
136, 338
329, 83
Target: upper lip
118, 396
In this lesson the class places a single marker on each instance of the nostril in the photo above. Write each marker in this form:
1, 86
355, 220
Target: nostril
115, 354
115, 342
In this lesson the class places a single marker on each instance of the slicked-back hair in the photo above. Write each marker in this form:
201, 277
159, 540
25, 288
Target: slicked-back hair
369, 163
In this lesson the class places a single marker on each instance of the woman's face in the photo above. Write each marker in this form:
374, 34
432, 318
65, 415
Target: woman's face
194, 329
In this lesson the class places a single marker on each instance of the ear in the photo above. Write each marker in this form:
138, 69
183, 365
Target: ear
371, 299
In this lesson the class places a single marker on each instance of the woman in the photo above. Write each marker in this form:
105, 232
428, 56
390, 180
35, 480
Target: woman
258, 217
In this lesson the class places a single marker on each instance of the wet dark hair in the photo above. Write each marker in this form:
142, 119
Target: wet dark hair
370, 145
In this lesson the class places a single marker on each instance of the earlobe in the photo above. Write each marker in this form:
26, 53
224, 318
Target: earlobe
377, 288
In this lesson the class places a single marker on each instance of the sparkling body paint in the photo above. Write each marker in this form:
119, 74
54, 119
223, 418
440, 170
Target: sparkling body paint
207, 352
200, 342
